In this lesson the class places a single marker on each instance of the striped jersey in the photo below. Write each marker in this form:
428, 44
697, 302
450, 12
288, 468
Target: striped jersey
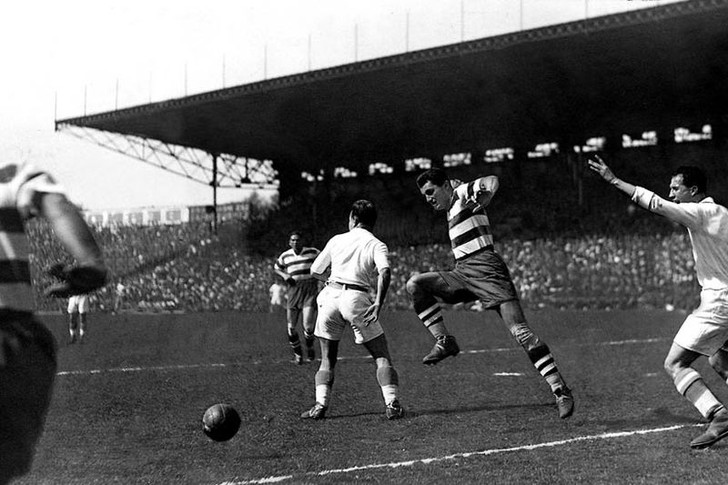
469, 230
297, 265
19, 183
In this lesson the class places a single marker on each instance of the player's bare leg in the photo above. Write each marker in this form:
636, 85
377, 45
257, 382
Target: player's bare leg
690, 384
539, 354
324, 379
309, 324
82, 320
387, 376
423, 288
294, 340
72, 327
719, 363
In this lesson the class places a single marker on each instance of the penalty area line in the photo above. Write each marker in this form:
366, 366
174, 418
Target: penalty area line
456, 456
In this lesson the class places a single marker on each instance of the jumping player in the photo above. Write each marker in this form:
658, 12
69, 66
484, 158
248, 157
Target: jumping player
479, 274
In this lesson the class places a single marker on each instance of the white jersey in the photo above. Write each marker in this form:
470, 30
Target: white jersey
707, 224
355, 257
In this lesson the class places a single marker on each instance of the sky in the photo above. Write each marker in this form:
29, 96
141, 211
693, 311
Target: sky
68, 58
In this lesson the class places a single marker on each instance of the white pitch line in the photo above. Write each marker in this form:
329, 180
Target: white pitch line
427, 461
235, 364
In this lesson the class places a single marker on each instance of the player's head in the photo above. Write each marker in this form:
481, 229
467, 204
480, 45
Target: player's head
688, 184
363, 213
435, 187
295, 241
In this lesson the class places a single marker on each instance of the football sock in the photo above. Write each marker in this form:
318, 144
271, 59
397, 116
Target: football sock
324, 379
431, 317
689, 383
388, 380
544, 363
295, 343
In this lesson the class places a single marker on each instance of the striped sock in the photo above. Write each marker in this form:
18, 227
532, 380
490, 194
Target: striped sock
324, 380
388, 380
689, 383
295, 343
431, 318
544, 363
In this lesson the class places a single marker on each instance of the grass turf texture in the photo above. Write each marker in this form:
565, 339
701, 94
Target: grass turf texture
128, 405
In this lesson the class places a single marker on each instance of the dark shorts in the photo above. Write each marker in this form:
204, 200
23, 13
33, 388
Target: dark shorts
26, 385
302, 294
483, 276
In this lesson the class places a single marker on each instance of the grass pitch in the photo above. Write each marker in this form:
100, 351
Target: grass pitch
128, 405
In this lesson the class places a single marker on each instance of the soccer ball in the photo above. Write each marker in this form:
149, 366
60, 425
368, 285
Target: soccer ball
220, 422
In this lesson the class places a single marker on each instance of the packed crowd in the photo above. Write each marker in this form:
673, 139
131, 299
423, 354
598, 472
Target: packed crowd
186, 268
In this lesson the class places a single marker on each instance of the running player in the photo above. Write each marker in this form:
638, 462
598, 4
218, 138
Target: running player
293, 266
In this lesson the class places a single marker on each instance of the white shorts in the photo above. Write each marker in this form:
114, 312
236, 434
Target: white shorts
78, 303
706, 329
338, 308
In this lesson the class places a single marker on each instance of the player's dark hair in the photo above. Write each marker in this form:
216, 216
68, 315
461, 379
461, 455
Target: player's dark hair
692, 177
435, 175
295, 233
364, 212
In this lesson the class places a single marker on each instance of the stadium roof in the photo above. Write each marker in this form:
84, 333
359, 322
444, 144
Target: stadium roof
626, 72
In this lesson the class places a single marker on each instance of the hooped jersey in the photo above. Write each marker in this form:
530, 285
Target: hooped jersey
469, 230
19, 185
297, 265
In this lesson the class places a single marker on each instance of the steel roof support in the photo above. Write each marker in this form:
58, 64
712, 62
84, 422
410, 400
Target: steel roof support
191, 163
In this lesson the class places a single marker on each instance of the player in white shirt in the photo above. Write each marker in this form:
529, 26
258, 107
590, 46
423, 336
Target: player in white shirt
77, 318
705, 331
357, 263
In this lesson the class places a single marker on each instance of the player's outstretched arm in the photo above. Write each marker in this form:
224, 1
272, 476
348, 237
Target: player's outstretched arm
72, 231
597, 165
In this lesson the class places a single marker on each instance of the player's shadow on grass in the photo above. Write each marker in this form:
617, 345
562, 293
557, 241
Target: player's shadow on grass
413, 413
656, 417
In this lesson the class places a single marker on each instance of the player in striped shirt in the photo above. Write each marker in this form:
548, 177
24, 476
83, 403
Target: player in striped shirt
27, 347
479, 274
294, 267
705, 330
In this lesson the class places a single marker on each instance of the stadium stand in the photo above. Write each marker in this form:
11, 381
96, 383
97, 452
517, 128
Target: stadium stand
603, 254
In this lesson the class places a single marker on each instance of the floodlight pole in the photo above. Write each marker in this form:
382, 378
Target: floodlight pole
214, 192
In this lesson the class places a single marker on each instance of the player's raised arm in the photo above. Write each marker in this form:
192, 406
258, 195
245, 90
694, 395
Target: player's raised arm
597, 165
485, 188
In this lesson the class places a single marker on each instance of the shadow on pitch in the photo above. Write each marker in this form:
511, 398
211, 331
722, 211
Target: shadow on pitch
656, 417
413, 413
